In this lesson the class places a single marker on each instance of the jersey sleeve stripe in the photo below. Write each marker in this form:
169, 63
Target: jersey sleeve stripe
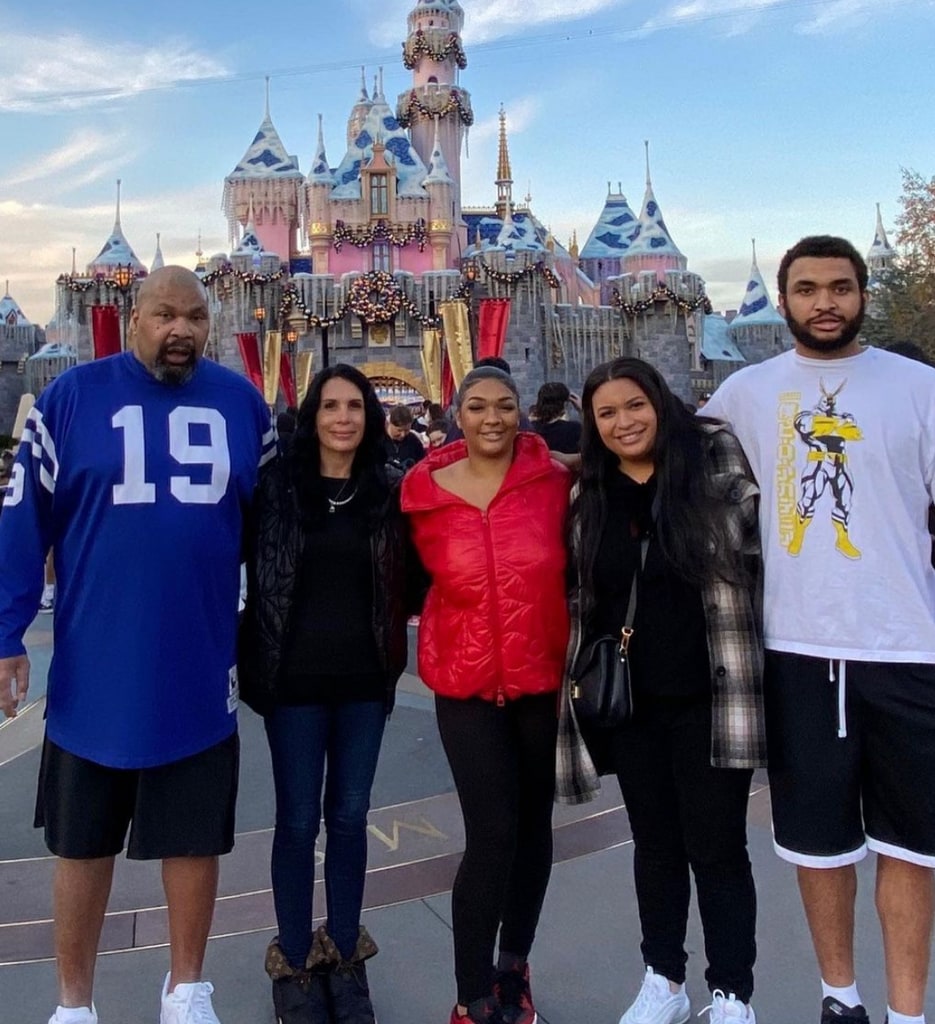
268, 446
36, 435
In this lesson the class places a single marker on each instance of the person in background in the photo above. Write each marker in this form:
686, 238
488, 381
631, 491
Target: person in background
438, 430
841, 438
147, 459
322, 647
402, 447
552, 423
666, 503
487, 515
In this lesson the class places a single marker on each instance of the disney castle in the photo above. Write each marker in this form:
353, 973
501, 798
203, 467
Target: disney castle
375, 261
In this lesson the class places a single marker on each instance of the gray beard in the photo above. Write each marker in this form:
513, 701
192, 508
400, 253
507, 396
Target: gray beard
174, 376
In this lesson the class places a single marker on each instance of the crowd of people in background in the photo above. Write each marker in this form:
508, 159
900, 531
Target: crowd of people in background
764, 566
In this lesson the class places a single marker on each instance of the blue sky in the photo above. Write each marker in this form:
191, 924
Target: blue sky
767, 118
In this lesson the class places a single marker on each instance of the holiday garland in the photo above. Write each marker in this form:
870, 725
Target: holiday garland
419, 45
443, 106
84, 284
511, 278
661, 294
375, 297
399, 235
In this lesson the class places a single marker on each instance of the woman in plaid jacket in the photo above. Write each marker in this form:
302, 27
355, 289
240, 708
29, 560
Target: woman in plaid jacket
651, 471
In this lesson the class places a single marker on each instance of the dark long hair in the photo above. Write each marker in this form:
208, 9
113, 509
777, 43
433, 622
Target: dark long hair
689, 527
368, 468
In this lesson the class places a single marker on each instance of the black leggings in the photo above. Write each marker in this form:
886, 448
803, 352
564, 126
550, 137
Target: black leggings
503, 763
684, 813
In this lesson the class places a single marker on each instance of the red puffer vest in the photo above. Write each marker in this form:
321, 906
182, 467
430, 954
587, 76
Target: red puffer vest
495, 621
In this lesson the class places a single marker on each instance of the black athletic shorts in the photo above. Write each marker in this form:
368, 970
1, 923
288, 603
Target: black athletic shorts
182, 809
851, 749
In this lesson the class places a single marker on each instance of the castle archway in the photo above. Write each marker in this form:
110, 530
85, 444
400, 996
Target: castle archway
394, 384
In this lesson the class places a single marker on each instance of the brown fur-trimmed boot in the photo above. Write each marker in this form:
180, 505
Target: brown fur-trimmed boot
347, 979
299, 997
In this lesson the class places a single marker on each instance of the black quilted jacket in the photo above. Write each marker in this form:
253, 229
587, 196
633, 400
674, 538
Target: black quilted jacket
273, 555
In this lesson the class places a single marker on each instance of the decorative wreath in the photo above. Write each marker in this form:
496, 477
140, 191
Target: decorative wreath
375, 297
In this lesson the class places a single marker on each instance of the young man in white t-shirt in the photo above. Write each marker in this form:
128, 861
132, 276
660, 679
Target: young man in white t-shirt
842, 441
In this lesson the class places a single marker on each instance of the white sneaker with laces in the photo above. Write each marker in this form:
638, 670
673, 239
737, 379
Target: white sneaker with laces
188, 1003
656, 1003
724, 1009
74, 1015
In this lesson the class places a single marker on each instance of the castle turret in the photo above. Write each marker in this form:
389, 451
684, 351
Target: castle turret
758, 329
158, 259
881, 253
360, 110
269, 176
652, 249
602, 254
317, 193
116, 251
440, 187
434, 53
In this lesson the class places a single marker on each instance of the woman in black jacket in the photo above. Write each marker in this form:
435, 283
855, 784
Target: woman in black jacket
323, 644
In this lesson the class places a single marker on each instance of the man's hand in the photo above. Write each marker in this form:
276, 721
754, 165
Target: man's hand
575, 400
14, 682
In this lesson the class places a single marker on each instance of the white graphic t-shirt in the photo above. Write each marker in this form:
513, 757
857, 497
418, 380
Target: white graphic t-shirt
844, 453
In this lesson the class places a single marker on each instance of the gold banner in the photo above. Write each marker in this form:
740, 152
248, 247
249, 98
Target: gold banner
303, 375
457, 338
271, 366
432, 363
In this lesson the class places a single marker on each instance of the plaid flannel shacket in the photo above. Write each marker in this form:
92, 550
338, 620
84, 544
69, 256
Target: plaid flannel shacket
734, 621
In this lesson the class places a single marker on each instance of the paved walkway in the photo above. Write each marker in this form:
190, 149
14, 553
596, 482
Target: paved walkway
586, 963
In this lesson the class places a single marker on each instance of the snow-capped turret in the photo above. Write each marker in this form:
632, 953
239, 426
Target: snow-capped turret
269, 175
653, 247
10, 313
757, 307
158, 260
881, 253
321, 173
116, 251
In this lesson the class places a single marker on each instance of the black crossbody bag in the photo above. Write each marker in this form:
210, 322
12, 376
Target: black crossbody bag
601, 686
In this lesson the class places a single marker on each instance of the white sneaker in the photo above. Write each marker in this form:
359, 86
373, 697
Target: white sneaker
724, 1009
656, 1003
189, 1003
74, 1015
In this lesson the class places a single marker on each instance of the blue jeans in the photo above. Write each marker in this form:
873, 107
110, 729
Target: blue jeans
301, 739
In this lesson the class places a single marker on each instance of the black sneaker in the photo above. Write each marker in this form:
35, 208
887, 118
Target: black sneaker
301, 998
833, 1011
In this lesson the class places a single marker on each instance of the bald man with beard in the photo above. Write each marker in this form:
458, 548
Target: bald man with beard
136, 470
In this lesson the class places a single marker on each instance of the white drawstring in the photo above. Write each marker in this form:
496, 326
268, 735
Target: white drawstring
842, 707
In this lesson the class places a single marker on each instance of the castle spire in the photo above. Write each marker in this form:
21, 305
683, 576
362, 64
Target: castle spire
158, 259
266, 116
757, 307
117, 218
364, 97
881, 253
504, 180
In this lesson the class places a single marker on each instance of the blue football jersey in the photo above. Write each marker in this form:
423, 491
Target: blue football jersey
140, 489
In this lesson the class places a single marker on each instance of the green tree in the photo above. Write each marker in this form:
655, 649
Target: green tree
903, 306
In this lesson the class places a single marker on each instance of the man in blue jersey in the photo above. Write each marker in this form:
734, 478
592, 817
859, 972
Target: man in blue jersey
136, 470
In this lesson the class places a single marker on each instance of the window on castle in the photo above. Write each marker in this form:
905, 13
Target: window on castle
381, 256
379, 195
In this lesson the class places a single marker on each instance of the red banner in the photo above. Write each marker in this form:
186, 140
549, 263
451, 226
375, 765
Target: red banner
286, 380
105, 331
492, 322
448, 383
250, 354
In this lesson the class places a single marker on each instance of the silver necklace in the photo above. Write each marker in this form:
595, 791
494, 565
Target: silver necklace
337, 502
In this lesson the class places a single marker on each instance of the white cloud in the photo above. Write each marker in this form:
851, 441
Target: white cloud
742, 15
48, 74
99, 152
479, 170
493, 19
